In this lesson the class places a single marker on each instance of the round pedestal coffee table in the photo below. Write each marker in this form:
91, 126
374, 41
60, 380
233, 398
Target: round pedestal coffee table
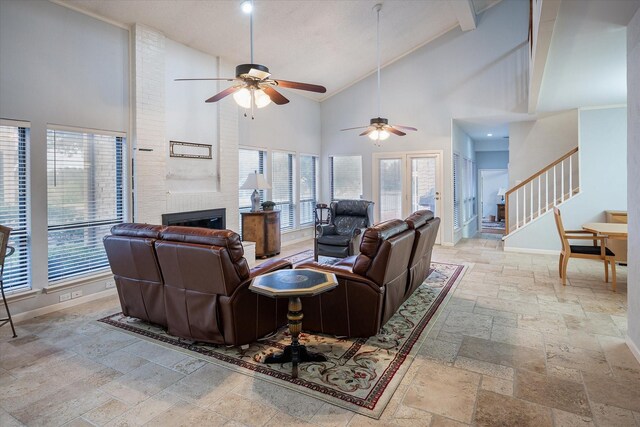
294, 284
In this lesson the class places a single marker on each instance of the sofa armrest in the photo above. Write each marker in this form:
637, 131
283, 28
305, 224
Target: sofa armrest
269, 266
342, 272
326, 230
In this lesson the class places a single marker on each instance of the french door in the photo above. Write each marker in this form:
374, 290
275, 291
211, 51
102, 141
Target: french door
406, 182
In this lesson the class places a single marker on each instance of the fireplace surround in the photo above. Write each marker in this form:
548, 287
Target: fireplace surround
210, 218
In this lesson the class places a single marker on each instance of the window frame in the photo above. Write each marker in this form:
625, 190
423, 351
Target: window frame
293, 193
316, 188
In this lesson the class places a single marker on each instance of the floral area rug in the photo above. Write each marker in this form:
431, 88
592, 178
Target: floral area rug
360, 374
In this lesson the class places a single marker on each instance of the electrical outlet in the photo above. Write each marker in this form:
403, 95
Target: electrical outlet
109, 284
76, 294
65, 297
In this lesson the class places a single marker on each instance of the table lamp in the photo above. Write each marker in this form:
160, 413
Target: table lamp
256, 182
501, 193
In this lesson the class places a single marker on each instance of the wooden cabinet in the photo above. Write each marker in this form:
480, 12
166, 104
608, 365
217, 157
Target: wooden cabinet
500, 212
263, 228
619, 247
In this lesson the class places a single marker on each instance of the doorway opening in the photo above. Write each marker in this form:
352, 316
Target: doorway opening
492, 183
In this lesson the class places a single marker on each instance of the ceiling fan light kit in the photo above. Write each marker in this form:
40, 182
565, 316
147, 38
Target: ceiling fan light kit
253, 86
379, 128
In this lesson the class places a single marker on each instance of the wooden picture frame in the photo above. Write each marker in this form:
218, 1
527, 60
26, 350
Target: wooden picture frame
190, 150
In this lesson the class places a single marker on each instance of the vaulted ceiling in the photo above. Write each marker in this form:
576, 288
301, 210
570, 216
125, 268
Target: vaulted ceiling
328, 42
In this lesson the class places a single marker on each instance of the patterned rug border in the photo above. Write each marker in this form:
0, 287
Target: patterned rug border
375, 403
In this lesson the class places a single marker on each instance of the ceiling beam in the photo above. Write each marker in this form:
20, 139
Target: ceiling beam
465, 13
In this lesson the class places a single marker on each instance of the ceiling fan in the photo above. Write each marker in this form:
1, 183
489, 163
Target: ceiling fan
379, 128
253, 85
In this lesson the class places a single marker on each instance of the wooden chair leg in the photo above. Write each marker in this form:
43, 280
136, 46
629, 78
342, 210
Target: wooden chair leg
606, 271
6, 306
560, 265
613, 274
565, 262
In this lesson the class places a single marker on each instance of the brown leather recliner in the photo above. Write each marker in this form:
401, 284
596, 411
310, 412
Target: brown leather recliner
371, 285
136, 271
200, 276
426, 230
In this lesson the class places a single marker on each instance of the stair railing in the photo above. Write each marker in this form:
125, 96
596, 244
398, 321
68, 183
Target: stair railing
550, 186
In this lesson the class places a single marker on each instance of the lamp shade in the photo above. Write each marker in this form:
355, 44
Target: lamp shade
255, 181
502, 191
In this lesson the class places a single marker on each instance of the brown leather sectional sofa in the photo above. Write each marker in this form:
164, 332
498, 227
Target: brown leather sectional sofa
192, 281
394, 259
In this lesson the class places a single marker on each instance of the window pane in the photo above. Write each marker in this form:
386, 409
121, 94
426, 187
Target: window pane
456, 191
423, 184
84, 199
390, 189
14, 204
346, 177
282, 187
308, 188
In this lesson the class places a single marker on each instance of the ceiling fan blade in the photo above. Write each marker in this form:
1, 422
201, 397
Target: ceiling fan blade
259, 74
227, 91
368, 131
275, 96
404, 127
184, 80
359, 127
301, 86
394, 131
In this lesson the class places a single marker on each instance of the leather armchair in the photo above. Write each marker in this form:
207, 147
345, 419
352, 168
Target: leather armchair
341, 237
426, 229
371, 286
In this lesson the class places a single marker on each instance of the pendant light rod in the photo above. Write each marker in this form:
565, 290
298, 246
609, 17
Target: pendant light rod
377, 8
251, 29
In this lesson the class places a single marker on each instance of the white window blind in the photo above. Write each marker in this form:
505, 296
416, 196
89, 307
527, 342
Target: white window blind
345, 177
456, 190
308, 188
469, 189
282, 191
85, 199
250, 161
14, 204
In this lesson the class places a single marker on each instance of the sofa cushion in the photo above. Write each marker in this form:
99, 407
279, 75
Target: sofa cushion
204, 236
334, 240
371, 240
419, 218
590, 250
148, 231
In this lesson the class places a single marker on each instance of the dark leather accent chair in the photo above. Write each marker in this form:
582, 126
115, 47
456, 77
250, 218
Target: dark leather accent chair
426, 229
201, 278
134, 264
341, 237
371, 285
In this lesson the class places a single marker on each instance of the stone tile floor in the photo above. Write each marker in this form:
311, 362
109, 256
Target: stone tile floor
512, 348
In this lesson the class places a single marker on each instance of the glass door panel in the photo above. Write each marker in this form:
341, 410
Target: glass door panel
424, 194
390, 195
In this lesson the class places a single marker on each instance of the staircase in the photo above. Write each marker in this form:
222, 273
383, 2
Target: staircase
538, 194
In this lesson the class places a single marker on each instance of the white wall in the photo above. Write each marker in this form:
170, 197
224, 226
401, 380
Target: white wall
490, 182
633, 166
492, 159
603, 180
59, 67
535, 144
460, 75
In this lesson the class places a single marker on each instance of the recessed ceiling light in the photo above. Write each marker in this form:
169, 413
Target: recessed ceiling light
489, 134
247, 6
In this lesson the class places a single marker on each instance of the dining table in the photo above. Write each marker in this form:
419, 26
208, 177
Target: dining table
611, 230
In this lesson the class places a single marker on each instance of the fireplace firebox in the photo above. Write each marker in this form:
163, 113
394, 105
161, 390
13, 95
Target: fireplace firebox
211, 218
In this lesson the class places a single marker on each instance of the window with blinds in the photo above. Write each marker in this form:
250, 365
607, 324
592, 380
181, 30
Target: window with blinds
308, 188
456, 191
470, 189
282, 190
85, 198
345, 177
14, 203
250, 161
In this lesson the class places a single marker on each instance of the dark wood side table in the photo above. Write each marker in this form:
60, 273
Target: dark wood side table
294, 284
262, 227
500, 212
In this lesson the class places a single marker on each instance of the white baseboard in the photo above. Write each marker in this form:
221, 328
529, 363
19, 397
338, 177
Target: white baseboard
633, 348
62, 305
532, 251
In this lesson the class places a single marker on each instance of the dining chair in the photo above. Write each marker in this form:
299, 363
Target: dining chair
4, 247
595, 251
